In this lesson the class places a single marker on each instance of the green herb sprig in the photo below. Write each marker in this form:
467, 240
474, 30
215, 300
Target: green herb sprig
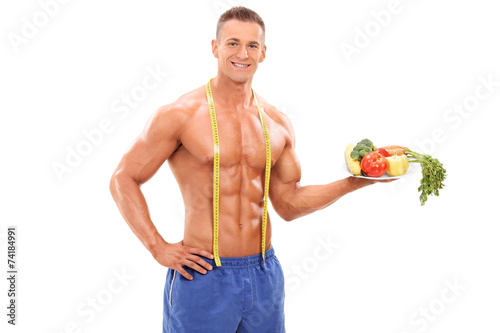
433, 174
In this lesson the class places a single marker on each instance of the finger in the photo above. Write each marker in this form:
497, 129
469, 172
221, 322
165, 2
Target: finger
200, 262
206, 254
184, 273
195, 266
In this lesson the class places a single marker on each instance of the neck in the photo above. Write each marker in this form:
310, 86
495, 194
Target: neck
233, 93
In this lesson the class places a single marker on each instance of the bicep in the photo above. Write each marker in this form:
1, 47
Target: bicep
159, 139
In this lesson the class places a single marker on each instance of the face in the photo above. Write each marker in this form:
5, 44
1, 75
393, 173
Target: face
239, 50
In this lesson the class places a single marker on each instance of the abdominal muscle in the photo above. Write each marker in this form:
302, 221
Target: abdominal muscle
240, 205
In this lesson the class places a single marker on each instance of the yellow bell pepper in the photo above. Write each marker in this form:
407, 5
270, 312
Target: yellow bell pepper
398, 165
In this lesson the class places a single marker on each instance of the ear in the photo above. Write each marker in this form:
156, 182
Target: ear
263, 53
215, 48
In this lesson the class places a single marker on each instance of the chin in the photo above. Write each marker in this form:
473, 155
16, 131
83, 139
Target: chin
239, 78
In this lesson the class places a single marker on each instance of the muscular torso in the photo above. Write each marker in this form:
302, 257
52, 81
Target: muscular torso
242, 173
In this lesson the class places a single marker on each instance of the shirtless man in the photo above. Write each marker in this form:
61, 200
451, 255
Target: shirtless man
243, 294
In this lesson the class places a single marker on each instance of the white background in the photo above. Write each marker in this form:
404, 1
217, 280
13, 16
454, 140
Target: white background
393, 257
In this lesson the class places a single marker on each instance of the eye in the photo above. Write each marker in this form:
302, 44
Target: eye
232, 44
253, 46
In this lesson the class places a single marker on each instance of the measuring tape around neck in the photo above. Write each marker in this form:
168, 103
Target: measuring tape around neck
215, 135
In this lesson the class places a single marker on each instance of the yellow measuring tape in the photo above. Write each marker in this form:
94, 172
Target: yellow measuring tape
215, 135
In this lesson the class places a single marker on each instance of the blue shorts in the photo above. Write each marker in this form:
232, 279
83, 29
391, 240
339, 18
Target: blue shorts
242, 295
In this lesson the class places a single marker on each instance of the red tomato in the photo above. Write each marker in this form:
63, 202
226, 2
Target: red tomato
374, 164
383, 152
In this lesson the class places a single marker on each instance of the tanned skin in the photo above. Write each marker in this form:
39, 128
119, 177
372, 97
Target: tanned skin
181, 134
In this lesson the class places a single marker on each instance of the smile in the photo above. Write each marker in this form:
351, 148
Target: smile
235, 64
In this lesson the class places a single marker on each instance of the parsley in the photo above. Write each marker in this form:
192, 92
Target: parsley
433, 174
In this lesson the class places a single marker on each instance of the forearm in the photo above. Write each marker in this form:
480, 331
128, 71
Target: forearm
132, 205
309, 199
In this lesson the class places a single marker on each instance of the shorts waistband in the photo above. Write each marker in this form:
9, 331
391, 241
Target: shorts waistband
243, 261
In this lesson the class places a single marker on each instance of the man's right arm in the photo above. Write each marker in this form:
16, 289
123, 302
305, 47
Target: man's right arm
159, 139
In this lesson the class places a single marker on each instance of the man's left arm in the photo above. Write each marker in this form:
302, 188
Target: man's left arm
290, 200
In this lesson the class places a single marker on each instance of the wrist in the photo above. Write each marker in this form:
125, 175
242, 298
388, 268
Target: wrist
155, 244
355, 183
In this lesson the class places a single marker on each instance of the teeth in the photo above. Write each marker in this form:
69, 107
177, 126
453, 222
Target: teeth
239, 65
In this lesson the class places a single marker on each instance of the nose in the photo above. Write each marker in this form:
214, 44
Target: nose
242, 52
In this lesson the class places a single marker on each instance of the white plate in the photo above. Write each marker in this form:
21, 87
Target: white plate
411, 169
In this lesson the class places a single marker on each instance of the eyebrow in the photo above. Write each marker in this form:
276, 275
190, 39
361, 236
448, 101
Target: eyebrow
237, 40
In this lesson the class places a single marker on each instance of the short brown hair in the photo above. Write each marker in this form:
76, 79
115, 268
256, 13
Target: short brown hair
242, 14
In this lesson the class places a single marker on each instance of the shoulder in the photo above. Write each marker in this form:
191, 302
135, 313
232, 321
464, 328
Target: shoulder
183, 108
277, 116
171, 118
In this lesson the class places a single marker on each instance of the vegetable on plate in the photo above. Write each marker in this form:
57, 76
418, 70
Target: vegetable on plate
398, 165
394, 148
374, 165
366, 159
433, 174
353, 165
362, 148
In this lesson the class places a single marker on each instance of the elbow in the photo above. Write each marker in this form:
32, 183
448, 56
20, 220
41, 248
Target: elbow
117, 182
285, 217
288, 213
122, 182
113, 184
282, 213
290, 216
292, 210
285, 207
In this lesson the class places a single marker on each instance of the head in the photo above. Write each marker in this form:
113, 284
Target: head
240, 43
